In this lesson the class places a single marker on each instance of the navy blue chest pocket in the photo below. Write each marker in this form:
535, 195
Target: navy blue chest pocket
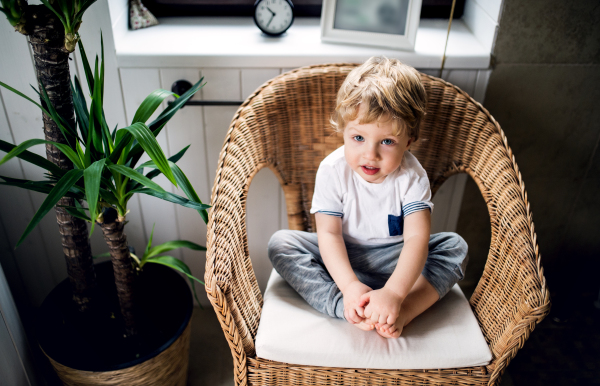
396, 224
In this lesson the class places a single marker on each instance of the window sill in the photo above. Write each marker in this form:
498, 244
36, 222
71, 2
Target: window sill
237, 43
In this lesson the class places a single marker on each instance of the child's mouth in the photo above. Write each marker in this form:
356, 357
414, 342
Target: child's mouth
368, 170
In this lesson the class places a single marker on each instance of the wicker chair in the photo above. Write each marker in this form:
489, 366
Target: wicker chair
284, 126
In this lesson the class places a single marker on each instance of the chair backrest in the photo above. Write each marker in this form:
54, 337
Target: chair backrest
285, 126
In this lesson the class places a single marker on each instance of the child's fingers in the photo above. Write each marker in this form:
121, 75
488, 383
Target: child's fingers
382, 319
353, 316
360, 311
368, 311
347, 316
364, 299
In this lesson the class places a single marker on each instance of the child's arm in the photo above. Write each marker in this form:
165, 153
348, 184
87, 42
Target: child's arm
334, 254
384, 305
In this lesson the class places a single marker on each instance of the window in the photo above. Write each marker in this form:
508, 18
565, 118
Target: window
431, 9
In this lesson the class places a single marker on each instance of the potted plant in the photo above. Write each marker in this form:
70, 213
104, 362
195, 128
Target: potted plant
125, 334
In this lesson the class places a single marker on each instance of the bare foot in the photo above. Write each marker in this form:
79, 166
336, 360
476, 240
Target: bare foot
391, 331
364, 326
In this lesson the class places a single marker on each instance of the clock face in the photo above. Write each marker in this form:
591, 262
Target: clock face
273, 17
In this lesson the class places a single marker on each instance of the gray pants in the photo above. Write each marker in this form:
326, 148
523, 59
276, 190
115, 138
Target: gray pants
295, 256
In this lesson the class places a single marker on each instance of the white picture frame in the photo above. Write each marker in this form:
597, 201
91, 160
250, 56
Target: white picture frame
339, 23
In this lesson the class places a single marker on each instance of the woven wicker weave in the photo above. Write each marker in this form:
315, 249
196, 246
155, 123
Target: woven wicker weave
169, 368
284, 126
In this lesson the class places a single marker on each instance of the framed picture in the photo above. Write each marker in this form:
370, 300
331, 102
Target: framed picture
381, 23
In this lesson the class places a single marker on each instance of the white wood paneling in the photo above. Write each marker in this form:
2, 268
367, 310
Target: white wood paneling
10, 365
481, 24
217, 120
187, 128
465, 79
491, 7
221, 84
254, 78
483, 77
265, 212
16, 363
263, 219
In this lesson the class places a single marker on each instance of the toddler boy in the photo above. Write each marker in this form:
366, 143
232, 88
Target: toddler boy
373, 261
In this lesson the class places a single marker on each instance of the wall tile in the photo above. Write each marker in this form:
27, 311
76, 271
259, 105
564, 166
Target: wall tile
550, 116
551, 31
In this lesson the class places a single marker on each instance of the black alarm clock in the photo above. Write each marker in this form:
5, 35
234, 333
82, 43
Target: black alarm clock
273, 17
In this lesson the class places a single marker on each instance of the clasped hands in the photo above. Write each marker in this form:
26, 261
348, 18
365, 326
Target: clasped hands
378, 308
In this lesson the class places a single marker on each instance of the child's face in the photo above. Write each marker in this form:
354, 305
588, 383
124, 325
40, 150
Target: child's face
372, 150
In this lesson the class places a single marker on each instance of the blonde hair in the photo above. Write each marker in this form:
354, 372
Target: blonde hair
389, 89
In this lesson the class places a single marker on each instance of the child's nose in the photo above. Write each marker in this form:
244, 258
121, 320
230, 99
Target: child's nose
371, 153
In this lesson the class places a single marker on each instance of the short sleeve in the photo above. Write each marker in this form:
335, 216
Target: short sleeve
417, 196
327, 197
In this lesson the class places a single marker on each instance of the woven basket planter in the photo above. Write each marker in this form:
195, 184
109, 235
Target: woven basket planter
89, 349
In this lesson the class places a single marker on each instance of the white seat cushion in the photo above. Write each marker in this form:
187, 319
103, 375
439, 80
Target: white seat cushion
445, 336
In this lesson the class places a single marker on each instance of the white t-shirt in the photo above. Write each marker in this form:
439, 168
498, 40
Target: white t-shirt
371, 213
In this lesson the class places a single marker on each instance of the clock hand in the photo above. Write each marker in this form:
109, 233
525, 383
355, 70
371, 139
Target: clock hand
271, 19
273, 13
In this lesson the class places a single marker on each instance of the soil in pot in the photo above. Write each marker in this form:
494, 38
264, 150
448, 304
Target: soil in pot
95, 341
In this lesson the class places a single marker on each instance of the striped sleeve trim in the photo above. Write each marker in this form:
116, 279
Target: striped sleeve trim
414, 207
336, 214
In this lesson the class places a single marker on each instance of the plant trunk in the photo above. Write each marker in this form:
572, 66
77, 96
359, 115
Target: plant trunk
46, 36
124, 272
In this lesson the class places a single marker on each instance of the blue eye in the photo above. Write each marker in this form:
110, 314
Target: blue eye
387, 142
358, 138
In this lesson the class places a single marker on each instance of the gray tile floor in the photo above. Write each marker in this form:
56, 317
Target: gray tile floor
211, 362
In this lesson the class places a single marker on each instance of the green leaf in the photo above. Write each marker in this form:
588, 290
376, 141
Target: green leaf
150, 104
157, 125
79, 15
47, 4
36, 186
32, 158
86, 67
183, 182
170, 197
156, 172
106, 254
59, 190
92, 177
149, 243
96, 113
188, 189
129, 172
170, 245
66, 129
24, 96
81, 112
149, 143
177, 265
32, 142
109, 197
78, 214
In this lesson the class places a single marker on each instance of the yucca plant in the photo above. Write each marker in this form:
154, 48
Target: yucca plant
106, 174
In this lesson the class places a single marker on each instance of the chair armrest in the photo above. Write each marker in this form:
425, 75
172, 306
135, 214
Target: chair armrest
511, 296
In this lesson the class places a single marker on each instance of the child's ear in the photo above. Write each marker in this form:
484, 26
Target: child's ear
410, 142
